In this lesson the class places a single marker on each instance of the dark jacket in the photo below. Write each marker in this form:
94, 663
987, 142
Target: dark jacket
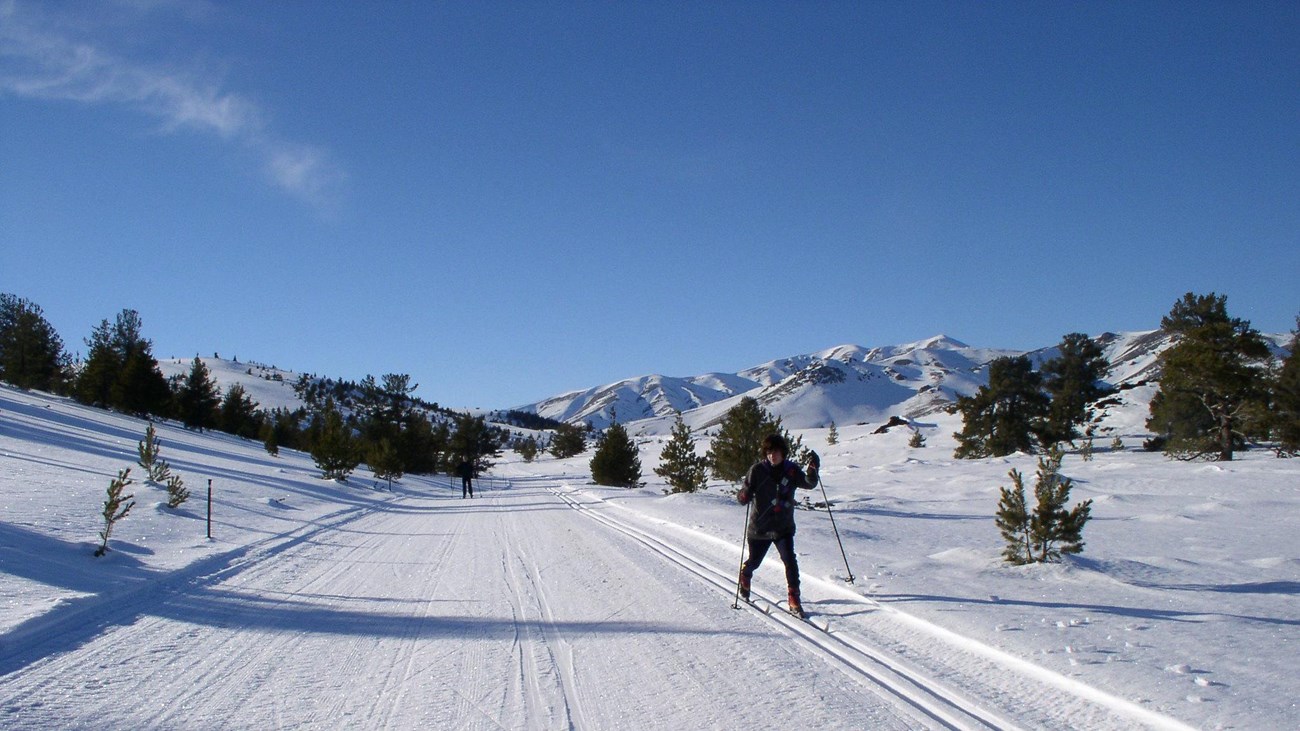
772, 490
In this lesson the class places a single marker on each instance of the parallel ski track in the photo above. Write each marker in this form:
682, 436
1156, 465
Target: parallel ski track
936, 704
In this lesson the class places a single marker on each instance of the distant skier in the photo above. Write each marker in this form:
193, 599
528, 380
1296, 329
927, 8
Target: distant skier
466, 471
770, 484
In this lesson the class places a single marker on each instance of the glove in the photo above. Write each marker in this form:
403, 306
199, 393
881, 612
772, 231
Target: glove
742, 497
814, 462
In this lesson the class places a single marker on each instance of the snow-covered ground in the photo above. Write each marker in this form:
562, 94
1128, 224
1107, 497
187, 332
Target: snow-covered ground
547, 602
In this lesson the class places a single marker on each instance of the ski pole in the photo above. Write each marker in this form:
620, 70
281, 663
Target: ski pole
837, 530
743, 535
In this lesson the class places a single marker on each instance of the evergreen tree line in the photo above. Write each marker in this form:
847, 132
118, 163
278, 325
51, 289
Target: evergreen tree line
1220, 389
380, 423
732, 451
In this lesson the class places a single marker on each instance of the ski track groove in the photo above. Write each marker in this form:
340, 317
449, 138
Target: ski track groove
555, 642
538, 660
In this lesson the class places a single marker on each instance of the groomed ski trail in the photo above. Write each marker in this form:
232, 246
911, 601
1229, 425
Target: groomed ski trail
510, 610
948, 680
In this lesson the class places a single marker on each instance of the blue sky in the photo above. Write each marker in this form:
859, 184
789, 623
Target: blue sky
510, 200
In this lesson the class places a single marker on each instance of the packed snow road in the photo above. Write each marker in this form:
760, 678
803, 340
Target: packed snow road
511, 610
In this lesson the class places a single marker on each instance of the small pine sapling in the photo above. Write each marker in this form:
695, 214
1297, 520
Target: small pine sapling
1013, 521
177, 493
1049, 531
917, 441
833, 435
1087, 449
115, 507
1117, 445
269, 442
148, 449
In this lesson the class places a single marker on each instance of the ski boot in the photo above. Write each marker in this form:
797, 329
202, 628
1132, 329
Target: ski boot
744, 587
795, 607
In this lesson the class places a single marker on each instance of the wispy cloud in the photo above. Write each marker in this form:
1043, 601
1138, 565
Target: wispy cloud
43, 58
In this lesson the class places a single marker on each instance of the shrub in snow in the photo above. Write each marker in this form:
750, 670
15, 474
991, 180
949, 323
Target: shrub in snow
833, 435
115, 507
1048, 531
527, 448
917, 441
679, 464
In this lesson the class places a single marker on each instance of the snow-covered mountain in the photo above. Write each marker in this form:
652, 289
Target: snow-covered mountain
847, 384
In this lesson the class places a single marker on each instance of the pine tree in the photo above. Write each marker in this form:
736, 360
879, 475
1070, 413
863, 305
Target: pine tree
917, 441
1049, 531
1073, 380
475, 442
334, 449
1211, 382
740, 437
684, 470
99, 374
422, 444
569, 441
385, 462
386, 411
832, 435
238, 413
31, 352
616, 462
120, 371
116, 507
527, 448
198, 401
1284, 414
1005, 416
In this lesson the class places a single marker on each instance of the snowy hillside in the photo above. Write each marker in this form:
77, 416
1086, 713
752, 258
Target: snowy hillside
547, 602
270, 387
848, 384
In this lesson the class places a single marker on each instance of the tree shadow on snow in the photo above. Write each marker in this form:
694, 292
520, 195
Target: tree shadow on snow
1189, 616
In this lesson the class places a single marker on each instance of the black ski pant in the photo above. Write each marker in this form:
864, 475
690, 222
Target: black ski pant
785, 548
466, 487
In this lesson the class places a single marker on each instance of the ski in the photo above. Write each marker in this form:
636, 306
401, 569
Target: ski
769, 608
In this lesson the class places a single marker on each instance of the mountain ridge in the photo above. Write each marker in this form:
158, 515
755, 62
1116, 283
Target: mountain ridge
843, 384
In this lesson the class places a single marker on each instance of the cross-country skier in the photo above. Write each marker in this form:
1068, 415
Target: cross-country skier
466, 471
770, 484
